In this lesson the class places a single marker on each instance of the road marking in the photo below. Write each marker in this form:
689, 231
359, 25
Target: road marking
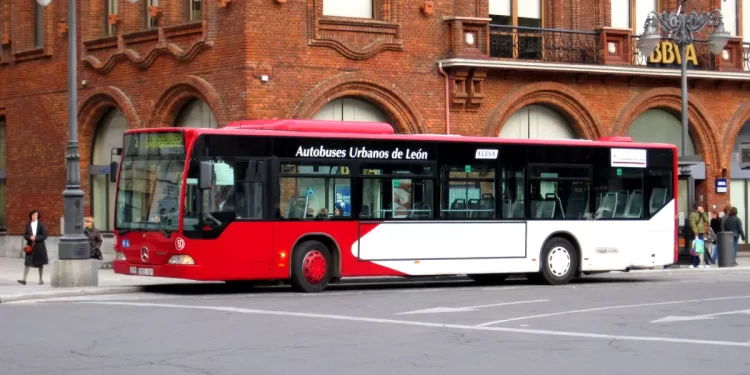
437, 310
432, 325
609, 308
670, 319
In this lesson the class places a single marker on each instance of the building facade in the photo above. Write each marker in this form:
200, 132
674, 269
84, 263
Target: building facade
497, 68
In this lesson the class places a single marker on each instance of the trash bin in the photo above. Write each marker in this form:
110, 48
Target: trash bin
725, 240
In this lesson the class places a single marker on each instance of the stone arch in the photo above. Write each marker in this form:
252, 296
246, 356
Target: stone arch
701, 127
739, 119
392, 100
178, 94
555, 95
96, 105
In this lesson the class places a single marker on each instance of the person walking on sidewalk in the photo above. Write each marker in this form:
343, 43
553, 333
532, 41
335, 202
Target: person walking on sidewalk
95, 238
35, 235
734, 224
698, 222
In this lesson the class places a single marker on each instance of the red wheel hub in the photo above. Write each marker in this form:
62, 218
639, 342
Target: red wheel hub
314, 267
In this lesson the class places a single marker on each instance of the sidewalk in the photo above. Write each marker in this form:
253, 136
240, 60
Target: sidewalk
11, 270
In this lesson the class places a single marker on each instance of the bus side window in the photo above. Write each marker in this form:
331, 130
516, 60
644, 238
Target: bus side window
659, 185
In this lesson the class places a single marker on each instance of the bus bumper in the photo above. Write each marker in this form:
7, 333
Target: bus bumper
175, 271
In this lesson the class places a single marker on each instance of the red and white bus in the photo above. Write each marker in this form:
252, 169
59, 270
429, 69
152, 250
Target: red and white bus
316, 201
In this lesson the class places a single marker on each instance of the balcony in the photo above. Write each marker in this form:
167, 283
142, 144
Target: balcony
477, 44
548, 45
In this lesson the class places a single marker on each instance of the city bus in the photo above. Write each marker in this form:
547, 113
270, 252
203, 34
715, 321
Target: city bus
311, 202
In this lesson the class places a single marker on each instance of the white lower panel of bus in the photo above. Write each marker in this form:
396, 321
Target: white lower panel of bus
435, 240
448, 248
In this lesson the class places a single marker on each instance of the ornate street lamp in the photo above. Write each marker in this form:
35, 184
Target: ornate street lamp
681, 27
74, 268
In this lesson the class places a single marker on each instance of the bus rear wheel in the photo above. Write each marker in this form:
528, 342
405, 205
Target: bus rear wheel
559, 262
311, 267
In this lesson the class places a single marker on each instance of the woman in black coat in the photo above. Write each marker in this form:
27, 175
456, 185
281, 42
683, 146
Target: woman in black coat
35, 235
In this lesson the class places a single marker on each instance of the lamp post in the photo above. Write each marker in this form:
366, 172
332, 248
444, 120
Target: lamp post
74, 267
681, 27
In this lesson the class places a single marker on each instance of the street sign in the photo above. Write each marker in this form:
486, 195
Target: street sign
721, 185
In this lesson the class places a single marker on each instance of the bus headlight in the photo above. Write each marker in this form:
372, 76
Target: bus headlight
181, 259
119, 255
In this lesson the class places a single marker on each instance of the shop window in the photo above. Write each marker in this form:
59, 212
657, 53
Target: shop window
315, 192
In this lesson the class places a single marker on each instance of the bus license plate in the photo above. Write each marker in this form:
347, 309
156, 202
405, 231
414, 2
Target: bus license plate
146, 271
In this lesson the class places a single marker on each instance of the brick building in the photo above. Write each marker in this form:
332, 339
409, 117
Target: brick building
508, 68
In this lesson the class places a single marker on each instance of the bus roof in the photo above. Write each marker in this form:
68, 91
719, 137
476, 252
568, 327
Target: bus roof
383, 131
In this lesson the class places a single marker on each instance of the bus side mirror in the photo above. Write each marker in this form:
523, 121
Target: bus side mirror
208, 177
113, 172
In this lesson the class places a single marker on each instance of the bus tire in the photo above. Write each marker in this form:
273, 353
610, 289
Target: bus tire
488, 278
559, 262
312, 267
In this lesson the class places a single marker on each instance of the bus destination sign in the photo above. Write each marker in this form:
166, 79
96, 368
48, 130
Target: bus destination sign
361, 153
164, 143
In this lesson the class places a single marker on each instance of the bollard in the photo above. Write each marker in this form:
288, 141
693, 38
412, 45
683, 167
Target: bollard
725, 241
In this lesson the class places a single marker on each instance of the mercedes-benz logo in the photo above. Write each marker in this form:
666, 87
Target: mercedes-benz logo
144, 254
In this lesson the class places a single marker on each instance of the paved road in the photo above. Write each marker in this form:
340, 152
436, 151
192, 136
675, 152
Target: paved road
660, 322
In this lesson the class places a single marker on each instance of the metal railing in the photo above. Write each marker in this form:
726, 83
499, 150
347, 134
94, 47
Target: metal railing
540, 44
746, 57
667, 55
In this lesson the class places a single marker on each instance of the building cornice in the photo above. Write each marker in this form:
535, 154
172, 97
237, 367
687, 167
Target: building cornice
592, 69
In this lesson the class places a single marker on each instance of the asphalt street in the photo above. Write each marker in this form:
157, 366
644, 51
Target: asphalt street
658, 322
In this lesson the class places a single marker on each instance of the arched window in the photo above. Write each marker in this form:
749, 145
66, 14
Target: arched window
537, 122
351, 109
108, 137
195, 114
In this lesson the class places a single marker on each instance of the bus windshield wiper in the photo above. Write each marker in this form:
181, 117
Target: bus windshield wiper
158, 226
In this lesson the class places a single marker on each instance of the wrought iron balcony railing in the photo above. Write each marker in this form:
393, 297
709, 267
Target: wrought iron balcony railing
746, 57
550, 45
667, 55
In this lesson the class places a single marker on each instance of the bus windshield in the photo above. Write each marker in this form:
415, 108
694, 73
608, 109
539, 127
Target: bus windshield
148, 190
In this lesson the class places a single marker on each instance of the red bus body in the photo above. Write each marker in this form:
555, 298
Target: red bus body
263, 249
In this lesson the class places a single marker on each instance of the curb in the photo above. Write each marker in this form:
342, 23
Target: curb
70, 293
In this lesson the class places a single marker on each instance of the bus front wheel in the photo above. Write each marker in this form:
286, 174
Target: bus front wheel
559, 262
312, 267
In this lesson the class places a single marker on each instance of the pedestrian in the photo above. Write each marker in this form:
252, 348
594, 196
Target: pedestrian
35, 235
734, 224
698, 220
715, 228
95, 238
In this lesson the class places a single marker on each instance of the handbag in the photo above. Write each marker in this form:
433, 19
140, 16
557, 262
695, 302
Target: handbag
28, 249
